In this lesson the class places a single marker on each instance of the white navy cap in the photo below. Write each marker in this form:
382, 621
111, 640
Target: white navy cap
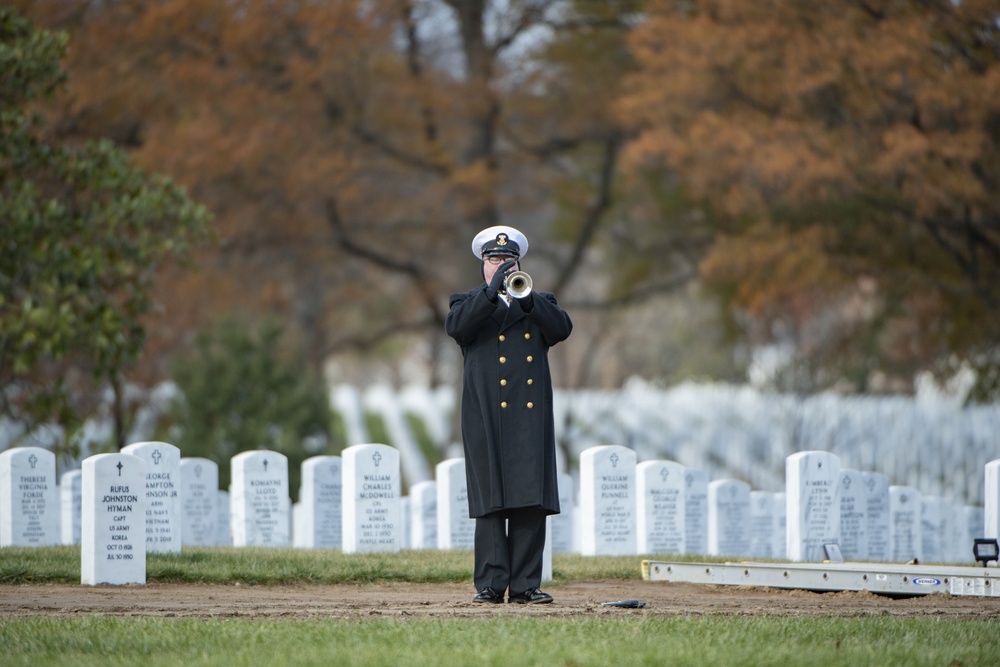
499, 240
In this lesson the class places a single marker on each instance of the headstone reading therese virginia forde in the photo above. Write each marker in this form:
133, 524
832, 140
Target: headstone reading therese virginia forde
259, 500
29, 498
113, 520
607, 501
371, 499
163, 498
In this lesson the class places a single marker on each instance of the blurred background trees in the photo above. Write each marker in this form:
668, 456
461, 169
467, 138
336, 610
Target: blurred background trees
807, 191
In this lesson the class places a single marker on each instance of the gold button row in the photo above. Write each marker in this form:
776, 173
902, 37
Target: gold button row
503, 382
529, 404
527, 336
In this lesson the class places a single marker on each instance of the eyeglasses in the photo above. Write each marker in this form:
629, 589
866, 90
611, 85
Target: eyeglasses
499, 259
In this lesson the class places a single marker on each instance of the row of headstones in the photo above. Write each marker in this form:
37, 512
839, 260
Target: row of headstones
624, 509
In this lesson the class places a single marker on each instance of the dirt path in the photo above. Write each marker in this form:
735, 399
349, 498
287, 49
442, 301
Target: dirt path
453, 600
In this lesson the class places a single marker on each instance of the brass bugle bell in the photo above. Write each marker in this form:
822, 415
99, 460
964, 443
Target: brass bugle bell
517, 284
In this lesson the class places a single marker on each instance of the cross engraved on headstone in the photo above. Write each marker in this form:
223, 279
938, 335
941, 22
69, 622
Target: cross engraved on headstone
664, 473
32, 460
156, 456
119, 466
871, 484
847, 482
614, 460
197, 471
265, 465
376, 457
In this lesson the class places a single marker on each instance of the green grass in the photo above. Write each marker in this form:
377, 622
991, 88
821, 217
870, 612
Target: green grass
217, 565
443, 642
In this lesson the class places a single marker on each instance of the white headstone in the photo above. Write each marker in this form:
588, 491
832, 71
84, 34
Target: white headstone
455, 530
607, 501
812, 498
29, 498
561, 532
163, 498
853, 515
780, 546
113, 520
224, 524
763, 525
423, 515
547, 550
320, 503
404, 518
660, 507
259, 500
371, 509
934, 514
877, 490
199, 484
728, 517
695, 511
905, 540
70, 488
991, 509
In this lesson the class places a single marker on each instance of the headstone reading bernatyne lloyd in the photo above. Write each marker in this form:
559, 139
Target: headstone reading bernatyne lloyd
113, 525
259, 499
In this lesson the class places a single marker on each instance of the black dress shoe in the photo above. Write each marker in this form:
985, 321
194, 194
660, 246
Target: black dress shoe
531, 596
488, 595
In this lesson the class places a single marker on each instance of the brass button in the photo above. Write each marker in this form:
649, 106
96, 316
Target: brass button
530, 381
503, 360
529, 357
503, 404
502, 338
530, 405
527, 336
503, 383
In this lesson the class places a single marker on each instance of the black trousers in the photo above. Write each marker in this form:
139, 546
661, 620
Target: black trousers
509, 547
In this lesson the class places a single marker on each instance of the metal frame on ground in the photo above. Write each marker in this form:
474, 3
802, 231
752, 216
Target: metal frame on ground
882, 578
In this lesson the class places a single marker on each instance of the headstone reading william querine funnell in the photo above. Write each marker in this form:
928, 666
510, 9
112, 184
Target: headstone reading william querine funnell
113, 520
607, 501
163, 498
371, 499
29, 498
259, 500
812, 498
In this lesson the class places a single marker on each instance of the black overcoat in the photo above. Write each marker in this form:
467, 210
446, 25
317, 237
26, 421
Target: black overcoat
507, 424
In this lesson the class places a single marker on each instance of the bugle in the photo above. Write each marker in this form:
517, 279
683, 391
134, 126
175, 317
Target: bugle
517, 284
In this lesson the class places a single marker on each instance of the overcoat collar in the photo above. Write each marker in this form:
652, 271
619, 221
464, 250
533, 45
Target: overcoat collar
506, 316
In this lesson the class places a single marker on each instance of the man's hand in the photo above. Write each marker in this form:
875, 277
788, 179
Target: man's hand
496, 284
